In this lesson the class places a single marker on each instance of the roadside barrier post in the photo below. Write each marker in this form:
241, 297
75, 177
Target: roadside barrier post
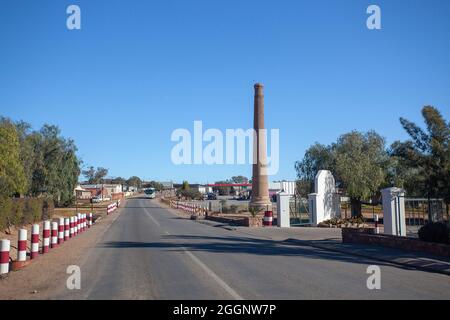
34, 241
54, 242
75, 225
66, 229
61, 230
72, 229
5, 246
268, 218
46, 237
22, 245
90, 219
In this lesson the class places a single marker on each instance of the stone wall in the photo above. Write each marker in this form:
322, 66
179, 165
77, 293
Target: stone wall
368, 236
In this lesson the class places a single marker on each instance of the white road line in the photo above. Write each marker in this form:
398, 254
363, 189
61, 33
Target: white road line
152, 218
211, 273
208, 271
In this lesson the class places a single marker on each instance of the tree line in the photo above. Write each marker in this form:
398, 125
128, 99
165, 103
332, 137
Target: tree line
362, 163
37, 163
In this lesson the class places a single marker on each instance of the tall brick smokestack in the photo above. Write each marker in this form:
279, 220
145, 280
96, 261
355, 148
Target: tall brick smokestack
260, 186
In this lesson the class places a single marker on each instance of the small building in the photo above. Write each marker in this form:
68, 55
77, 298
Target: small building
103, 190
82, 193
289, 187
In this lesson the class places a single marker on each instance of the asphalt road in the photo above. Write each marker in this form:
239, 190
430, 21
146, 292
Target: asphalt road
150, 253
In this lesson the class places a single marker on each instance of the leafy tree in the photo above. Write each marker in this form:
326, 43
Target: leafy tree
239, 179
185, 186
118, 180
134, 182
357, 160
361, 164
12, 175
428, 153
317, 157
95, 176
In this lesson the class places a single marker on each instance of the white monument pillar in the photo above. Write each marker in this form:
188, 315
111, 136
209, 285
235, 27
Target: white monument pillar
394, 211
324, 204
283, 210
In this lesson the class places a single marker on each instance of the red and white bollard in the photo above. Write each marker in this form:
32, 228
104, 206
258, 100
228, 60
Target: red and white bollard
61, 230
75, 225
78, 219
90, 220
46, 237
72, 229
5, 246
84, 222
66, 229
54, 242
22, 245
268, 218
34, 241
377, 228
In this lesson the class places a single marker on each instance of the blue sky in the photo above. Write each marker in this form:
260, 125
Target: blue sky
137, 70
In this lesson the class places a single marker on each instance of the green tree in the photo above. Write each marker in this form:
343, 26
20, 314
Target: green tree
12, 175
361, 164
428, 153
118, 180
134, 182
317, 157
185, 186
95, 176
239, 179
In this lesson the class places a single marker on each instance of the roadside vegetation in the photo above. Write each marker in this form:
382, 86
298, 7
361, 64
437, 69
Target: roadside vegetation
39, 169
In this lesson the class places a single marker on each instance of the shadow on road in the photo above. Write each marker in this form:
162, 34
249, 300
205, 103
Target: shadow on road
252, 246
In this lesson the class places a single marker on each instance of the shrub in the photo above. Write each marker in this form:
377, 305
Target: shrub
17, 212
437, 232
5, 212
190, 194
48, 208
33, 211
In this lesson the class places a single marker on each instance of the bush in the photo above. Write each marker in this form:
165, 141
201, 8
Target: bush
17, 212
5, 212
33, 211
190, 194
48, 208
437, 232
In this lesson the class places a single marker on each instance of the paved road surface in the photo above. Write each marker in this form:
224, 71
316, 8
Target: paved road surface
150, 253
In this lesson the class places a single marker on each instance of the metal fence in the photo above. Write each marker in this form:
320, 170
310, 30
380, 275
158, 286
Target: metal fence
420, 211
299, 212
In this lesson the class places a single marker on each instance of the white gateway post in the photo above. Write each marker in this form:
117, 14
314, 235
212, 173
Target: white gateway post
394, 211
283, 214
324, 204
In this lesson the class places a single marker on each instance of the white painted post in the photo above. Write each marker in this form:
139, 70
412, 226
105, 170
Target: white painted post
34, 241
283, 210
394, 211
5, 246
22, 245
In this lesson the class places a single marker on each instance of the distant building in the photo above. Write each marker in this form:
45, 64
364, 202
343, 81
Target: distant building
82, 193
167, 185
289, 187
104, 190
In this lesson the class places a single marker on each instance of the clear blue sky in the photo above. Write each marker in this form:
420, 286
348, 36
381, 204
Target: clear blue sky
140, 69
